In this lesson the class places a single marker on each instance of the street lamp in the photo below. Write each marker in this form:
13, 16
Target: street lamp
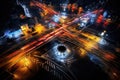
103, 33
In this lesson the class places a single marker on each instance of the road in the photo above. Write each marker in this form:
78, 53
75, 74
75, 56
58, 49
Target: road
19, 56
19, 60
91, 43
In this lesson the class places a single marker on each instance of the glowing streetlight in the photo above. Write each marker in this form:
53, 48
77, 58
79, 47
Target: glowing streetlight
103, 33
25, 29
39, 28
